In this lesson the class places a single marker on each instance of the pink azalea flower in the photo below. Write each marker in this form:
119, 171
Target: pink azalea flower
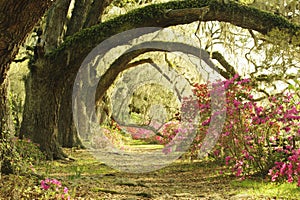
238, 171
227, 159
66, 190
44, 185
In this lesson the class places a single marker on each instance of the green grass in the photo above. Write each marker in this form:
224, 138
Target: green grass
142, 144
136, 142
273, 190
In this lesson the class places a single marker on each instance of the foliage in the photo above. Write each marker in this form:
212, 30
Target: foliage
141, 134
145, 100
124, 3
257, 188
90, 36
77, 171
169, 131
21, 155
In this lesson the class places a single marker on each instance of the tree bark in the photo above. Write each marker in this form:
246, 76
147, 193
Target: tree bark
16, 21
64, 133
170, 14
67, 133
78, 17
85, 15
55, 21
40, 117
96, 12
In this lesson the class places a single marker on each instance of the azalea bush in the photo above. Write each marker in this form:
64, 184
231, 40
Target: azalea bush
257, 137
52, 189
138, 133
176, 136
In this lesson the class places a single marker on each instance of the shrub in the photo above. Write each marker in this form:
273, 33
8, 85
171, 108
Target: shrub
256, 136
20, 156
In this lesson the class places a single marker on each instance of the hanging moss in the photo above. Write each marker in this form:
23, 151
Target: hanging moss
88, 38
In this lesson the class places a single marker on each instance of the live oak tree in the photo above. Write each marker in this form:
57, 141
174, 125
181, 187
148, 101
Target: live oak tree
47, 113
17, 20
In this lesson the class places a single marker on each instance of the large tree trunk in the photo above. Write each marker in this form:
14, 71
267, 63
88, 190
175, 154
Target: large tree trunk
16, 21
67, 133
58, 116
3, 109
40, 117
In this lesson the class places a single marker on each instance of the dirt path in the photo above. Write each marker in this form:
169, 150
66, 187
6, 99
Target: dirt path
180, 180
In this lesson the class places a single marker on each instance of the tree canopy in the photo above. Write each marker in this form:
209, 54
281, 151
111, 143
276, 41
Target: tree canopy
68, 38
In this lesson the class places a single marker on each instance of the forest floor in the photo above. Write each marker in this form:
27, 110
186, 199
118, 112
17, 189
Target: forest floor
88, 178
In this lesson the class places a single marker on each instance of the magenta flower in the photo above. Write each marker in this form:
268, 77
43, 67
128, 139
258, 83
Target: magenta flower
55, 182
66, 190
239, 171
44, 184
227, 159
287, 129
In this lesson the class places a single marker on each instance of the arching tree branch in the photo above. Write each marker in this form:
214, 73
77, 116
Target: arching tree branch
121, 63
168, 14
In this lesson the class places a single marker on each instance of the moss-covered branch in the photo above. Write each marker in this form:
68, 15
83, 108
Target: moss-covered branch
170, 14
230, 71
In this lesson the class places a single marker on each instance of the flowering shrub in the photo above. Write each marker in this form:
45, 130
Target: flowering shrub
147, 133
287, 170
139, 133
169, 131
54, 190
256, 136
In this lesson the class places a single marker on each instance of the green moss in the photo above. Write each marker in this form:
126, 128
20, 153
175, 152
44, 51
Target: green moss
130, 20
